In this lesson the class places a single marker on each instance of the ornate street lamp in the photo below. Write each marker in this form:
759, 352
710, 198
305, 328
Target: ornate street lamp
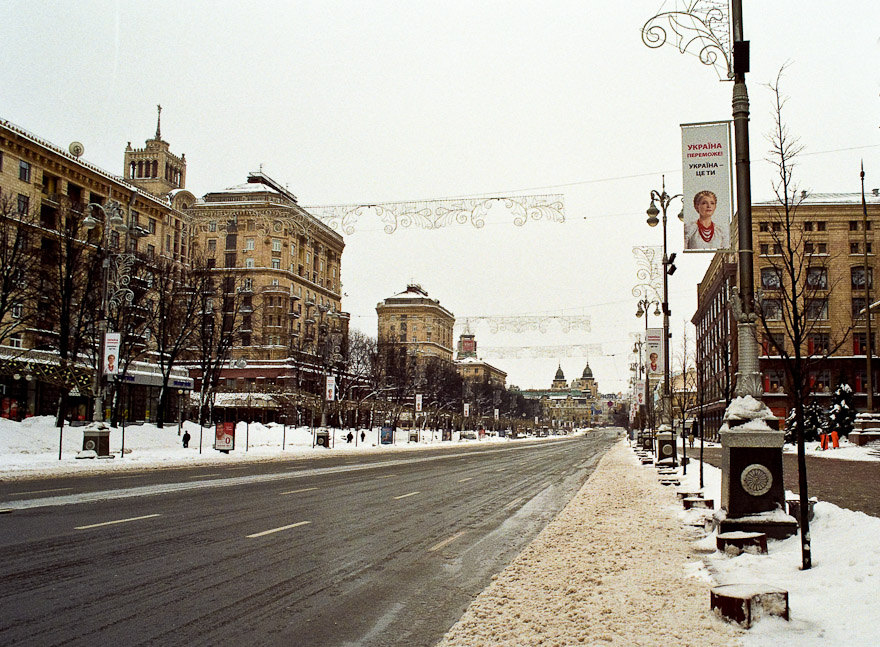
115, 277
668, 269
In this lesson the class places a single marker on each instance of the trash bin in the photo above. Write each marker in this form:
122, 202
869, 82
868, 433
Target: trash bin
322, 438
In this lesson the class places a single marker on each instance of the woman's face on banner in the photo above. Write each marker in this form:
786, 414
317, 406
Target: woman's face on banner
706, 207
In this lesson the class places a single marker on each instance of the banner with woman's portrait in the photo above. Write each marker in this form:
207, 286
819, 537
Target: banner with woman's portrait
707, 196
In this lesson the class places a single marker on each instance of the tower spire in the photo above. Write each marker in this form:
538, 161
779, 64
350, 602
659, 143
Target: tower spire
159, 123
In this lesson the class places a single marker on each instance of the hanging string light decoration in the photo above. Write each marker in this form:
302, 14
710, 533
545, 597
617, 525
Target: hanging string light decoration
529, 323
435, 214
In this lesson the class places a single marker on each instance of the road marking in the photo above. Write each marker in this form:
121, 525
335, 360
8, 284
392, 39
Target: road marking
403, 496
512, 503
469, 478
305, 489
501, 469
387, 476
110, 523
58, 489
269, 532
203, 476
446, 542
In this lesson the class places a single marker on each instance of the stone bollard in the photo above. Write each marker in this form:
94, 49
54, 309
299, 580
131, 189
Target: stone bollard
748, 603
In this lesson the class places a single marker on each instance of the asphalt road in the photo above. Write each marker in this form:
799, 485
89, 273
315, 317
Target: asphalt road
367, 551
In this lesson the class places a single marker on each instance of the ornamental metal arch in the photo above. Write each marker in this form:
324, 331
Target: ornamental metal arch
435, 214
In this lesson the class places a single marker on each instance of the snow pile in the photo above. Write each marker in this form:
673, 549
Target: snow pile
833, 603
30, 448
614, 567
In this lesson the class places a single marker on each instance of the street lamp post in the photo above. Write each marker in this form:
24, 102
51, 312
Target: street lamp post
668, 269
644, 306
96, 435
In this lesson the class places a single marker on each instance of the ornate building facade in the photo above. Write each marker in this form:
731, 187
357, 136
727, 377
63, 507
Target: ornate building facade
417, 322
569, 405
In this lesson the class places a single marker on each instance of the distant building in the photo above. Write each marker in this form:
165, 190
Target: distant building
472, 368
569, 405
417, 322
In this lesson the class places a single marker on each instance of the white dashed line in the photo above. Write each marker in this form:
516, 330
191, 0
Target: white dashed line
305, 489
269, 532
403, 496
111, 523
445, 542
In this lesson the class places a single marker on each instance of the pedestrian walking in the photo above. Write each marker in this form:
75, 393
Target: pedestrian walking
691, 440
363, 435
349, 437
186, 438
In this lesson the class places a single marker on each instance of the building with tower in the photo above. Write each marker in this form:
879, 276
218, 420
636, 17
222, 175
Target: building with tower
569, 405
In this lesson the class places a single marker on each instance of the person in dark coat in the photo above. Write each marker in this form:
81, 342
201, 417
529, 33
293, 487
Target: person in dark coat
363, 435
186, 438
349, 437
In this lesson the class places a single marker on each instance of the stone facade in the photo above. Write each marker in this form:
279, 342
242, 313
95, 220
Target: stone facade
418, 323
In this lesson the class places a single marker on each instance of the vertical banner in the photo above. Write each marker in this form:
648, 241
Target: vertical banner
112, 340
496, 414
707, 198
330, 388
654, 350
418, 402
467, 409
640, 392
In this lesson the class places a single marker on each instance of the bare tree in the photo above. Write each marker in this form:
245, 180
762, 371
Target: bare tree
684, 389
793, 300
18, 262
177, 319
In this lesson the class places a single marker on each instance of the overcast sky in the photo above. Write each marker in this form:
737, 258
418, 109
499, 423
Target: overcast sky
368, 102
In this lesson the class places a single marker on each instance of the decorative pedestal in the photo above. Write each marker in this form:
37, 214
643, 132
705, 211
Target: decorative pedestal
752, 491
96, 438
666, 447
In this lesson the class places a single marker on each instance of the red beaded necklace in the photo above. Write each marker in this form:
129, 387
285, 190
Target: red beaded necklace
706, 233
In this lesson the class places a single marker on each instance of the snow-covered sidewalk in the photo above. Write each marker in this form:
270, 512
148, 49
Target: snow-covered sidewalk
621, 565
611, 569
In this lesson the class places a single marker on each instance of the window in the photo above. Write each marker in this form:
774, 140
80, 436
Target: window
820, 381
765, 249
860, 343
820, 225
777, 226
763, 226
858, 307
276, 263
248, 243
212, 225
151, 226
151, 251
816, 248
853, 225
212, 244
774, 381
167, 242
246, 339
24, 171
857, 275
772, 309
817, 309
249, 263
248, 284
276, 244
24, 204
818, 344
275, 283
853, 248
15, 340
773, 344
771, 278
817, 278
16, 311
808, 226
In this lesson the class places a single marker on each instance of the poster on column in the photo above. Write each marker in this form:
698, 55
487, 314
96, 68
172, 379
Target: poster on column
639, 398
112, 340
707, 197
654, 349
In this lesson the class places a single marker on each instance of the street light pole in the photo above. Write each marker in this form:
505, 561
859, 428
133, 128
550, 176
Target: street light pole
869, 349
668, 268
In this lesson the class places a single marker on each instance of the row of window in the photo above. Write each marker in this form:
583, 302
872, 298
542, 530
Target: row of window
817, 278
811, 225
